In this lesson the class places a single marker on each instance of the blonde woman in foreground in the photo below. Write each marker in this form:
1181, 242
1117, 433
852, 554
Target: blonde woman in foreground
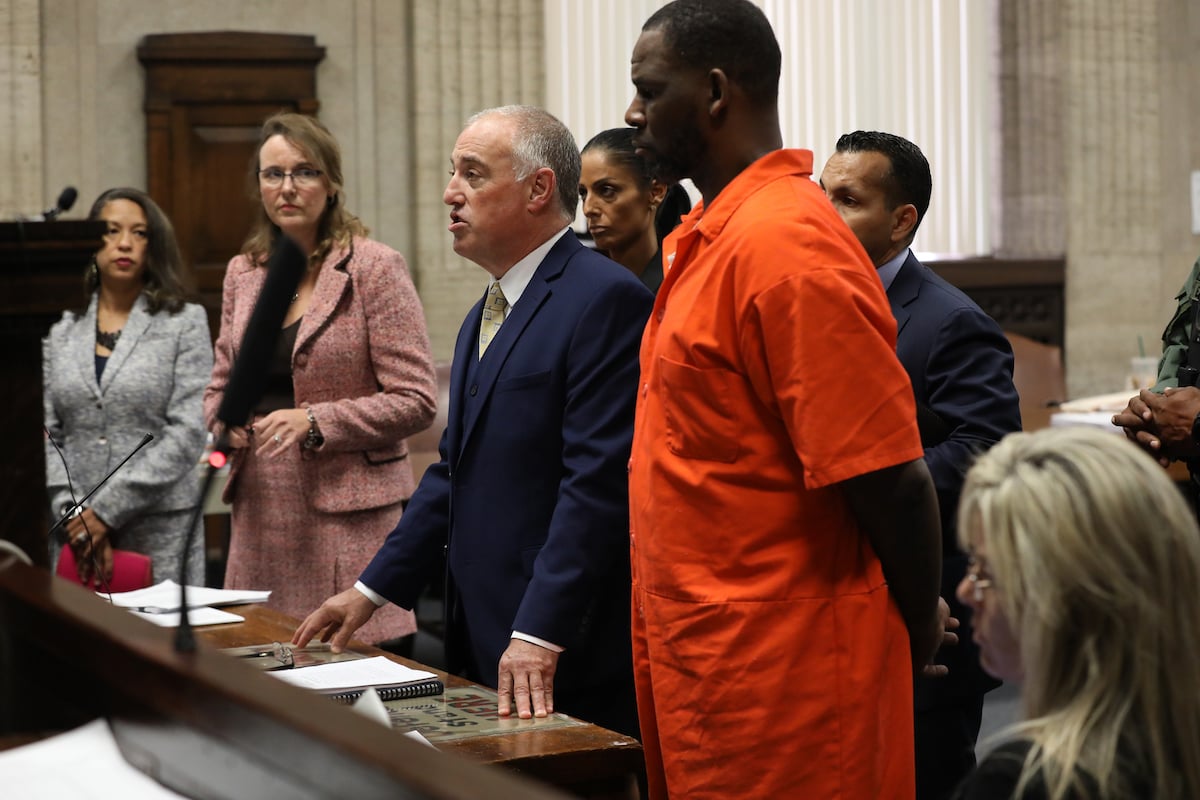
1085, 585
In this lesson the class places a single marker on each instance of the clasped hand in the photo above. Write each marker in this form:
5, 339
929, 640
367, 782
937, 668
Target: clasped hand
274, 433
1161, 424
88, 536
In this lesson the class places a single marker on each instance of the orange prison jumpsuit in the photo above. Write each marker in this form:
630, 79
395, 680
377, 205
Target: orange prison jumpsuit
770, 660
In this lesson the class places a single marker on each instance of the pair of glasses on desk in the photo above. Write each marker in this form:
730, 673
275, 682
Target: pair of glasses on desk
267, 657
276, 655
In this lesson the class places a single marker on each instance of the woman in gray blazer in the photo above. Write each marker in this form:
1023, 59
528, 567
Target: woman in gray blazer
135, 362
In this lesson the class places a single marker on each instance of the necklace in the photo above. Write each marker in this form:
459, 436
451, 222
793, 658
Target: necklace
107, 339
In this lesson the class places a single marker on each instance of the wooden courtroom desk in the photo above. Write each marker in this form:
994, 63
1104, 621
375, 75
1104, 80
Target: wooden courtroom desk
581, 758
209, 726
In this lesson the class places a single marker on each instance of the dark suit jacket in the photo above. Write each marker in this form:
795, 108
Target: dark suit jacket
960, 364
530, 497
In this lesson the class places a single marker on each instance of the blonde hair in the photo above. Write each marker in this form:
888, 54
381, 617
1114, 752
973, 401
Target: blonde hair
337, 225
1096, 561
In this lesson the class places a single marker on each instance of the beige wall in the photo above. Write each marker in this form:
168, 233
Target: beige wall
1099, 114
398, 79
1100, 108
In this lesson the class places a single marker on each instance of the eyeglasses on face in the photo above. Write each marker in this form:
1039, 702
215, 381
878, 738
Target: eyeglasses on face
302, 178
978, 577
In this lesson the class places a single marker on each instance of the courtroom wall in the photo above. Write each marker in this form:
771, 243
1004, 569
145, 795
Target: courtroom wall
1098, 127
398, 79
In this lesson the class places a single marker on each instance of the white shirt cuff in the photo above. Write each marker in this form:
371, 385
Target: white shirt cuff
373, 596
525, 637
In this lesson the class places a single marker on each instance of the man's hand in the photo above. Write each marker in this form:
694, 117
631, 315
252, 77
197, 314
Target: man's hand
1138, 422
336, 620
948, 625
1174, 411
526, 674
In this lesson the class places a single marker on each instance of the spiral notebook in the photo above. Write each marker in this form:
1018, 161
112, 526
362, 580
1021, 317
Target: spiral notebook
344, 681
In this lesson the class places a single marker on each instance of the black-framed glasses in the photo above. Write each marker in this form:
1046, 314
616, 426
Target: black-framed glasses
979, 579
302, 178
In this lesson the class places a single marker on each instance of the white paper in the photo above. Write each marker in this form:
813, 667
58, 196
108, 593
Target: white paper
417, 736
350, 675
371, 706
164, 597
196, 616
1091, 419
1113, 401
83, 764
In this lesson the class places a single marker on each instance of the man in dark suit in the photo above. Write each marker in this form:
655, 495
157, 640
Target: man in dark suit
530, 498
960, 364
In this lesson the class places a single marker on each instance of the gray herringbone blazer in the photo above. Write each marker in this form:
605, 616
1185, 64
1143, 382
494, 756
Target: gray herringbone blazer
153, 383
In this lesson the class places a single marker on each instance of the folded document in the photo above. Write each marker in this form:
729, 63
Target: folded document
164, 597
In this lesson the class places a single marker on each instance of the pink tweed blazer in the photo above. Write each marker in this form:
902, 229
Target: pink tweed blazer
362, 363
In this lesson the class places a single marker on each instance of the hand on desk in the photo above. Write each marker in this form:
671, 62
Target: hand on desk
1161, 424
526, 674
336, 620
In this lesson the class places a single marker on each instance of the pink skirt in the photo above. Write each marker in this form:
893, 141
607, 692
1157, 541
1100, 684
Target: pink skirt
304, 556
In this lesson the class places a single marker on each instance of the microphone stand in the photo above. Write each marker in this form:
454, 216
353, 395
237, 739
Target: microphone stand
185, 639
75, 509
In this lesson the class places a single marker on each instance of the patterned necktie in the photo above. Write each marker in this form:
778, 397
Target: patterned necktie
494, 308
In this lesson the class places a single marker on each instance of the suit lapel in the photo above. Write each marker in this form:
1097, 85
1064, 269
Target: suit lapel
332, 282
904, 291
135, 326
509, 337
83, 347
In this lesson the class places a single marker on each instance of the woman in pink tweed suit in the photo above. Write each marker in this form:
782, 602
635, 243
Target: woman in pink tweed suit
319, 474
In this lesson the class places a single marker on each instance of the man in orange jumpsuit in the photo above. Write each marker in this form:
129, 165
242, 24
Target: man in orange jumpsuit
785, 534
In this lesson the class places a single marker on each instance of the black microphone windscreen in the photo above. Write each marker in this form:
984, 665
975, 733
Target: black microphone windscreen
249, 376
67, 199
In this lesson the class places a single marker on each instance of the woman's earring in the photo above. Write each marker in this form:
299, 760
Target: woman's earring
95, 270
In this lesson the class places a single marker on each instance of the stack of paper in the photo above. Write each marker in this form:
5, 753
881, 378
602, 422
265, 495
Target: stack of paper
160, 603
346, 680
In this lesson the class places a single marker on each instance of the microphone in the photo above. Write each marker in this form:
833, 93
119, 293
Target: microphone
246, 383
78, 507
249, 376
63, 203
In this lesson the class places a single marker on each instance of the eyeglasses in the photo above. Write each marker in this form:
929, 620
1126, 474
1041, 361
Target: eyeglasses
302, 178
976, 576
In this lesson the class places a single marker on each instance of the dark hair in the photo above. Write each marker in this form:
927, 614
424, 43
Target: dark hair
909, 180
731, 35
337, 225
617, 143
165, 279
540, 140
675, 203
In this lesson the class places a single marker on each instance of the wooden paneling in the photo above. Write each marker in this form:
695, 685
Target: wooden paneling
41, 272
1025, 296
206, 97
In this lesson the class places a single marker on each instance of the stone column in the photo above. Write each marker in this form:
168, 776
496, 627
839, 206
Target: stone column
20, 108
1093, 96
467, 55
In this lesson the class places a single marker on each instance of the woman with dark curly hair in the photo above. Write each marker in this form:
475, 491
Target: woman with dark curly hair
135, 362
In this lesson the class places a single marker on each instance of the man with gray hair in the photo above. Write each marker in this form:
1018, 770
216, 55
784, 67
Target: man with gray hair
529, 500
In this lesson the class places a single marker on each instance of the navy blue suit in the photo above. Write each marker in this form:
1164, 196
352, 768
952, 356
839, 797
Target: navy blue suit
530, 497
960, 364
